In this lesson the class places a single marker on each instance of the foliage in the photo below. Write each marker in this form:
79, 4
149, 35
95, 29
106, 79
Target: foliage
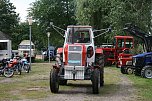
22, 33
102, 13
8, 17
97, 13
60, 12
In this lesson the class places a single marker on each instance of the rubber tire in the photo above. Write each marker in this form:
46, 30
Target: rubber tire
144, 70
18, 69
62, 82
129, 70
96, 81
101, 76
99, 60
123, 70
6, 70
137, 72
54, 81
27, 69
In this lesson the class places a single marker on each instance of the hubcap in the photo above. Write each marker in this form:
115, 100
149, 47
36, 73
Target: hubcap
130, 71
148, 73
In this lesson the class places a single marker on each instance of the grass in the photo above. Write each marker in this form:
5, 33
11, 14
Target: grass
27, 86
36, 84
143, 86
111, 79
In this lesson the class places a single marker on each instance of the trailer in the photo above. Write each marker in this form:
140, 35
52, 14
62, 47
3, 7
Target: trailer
5, 46
5, 49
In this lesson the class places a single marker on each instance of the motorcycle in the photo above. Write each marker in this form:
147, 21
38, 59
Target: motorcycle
25, 65
16, 65
5, 70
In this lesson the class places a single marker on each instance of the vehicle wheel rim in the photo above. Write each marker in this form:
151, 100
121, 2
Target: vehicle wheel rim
8, 73
130, 71
148, 73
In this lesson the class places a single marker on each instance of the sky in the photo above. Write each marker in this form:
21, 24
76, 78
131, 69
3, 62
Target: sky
22, 7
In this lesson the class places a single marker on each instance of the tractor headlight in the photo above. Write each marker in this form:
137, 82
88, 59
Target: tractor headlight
90, 51
134, 61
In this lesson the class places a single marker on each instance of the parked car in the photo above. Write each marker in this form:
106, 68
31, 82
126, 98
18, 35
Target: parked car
46, 52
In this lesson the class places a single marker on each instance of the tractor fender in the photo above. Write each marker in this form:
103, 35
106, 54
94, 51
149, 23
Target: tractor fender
99, 51
59, 50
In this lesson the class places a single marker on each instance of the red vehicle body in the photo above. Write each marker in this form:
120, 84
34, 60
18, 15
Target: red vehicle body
116, 55
124, 57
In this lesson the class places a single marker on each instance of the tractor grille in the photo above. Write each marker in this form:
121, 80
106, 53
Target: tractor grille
74, 59
75, 56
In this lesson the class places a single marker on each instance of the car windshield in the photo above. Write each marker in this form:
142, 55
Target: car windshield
78, 35
26, 47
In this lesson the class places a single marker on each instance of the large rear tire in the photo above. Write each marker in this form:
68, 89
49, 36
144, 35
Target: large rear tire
99, 60
96, 81
54, 81
146, 72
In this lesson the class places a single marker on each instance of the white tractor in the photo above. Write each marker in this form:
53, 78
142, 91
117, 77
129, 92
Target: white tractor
78, 59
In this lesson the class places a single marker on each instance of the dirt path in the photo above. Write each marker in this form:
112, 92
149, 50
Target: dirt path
82, 91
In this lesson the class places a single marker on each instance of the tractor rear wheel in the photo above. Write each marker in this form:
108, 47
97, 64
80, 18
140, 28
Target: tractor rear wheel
146, 72
99, 60
96, 81
54, 81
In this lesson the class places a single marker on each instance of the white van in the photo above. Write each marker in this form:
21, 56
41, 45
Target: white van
24, 48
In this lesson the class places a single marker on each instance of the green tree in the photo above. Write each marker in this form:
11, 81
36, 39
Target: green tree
8, 17
60, 12
22, 33
102, 13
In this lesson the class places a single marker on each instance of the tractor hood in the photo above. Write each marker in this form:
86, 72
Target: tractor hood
142, 55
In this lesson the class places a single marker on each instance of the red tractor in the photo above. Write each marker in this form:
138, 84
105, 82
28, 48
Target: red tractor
118, 53
78, 59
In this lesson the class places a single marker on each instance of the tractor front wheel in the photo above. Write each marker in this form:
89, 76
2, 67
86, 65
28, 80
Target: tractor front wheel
54, 81
63, 82
146, 72
123, 70
101, 76
96, 81
129, 70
